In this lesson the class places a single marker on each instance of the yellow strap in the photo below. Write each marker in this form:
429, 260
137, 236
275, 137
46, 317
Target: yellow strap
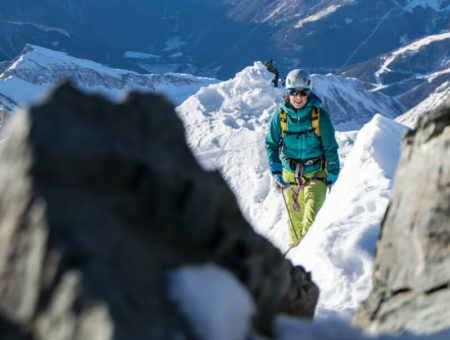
315, 120
283, 121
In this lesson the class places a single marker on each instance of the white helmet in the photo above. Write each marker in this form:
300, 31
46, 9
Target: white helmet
298, 79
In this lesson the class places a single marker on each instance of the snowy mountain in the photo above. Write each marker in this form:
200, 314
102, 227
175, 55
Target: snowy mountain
350, 103
175, 36
338, 250
226, 125
332, 34
435, 99
411, 72
37, 69
220, 37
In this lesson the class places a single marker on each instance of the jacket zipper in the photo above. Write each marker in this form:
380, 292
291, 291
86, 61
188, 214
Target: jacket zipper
300, 137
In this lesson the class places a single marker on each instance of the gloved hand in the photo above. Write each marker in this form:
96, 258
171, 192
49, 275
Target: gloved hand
279, 180
277, 170
332, 178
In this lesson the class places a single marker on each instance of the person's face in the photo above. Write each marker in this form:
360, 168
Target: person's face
298, 97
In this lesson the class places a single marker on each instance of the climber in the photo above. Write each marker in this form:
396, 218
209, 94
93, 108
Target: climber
302, 153
270, 68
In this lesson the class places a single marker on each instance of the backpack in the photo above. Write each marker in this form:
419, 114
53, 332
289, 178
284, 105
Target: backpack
315, 117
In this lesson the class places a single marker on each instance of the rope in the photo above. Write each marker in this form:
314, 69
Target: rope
289, 214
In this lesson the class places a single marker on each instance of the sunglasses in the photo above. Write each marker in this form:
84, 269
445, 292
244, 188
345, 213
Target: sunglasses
296, 92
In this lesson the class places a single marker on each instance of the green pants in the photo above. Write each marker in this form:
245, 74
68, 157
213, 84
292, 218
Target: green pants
310, 200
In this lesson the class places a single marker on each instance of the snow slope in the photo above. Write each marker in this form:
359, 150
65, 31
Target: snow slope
435, 99
405, 52
339, 248
410, 73
226, 125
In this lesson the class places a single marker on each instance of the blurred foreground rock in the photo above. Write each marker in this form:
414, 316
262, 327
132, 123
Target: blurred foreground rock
97, 202
411, 280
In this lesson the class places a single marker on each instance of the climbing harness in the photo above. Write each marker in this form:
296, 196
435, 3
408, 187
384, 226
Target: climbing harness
302, 182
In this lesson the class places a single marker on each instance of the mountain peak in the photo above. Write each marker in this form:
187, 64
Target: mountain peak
37, 69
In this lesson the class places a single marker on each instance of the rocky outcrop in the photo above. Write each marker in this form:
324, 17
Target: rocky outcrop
411, 280
97, 202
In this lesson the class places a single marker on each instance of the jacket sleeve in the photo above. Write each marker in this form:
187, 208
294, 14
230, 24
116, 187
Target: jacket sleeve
273, 138
329, 143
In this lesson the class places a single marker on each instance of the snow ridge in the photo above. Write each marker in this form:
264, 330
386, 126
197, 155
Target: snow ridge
39, 26
226, 125
340, 246
435, 99
435, 5
319, 15
411, 48
38, 69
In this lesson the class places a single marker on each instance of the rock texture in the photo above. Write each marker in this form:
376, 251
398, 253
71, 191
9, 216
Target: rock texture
97, 202
411, 280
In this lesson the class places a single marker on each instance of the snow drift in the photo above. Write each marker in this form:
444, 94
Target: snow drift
226, 125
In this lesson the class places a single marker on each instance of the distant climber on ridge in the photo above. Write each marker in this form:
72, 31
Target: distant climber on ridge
270, 68
302, 153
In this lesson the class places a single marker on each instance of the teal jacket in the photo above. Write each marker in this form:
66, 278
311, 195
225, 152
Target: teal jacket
306, 145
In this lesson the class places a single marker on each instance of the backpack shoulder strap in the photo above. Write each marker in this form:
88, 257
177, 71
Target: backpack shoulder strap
315, 118
283, 121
